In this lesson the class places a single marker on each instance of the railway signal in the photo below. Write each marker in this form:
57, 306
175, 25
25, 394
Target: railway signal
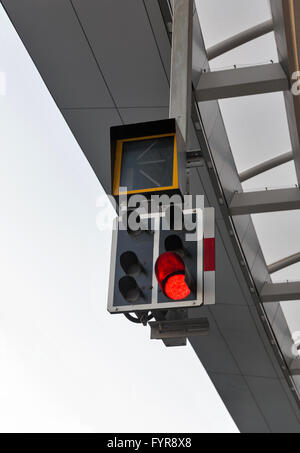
162, 257
159, 267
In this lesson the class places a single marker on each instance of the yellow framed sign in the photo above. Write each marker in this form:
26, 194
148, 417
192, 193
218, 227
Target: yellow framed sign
145, 164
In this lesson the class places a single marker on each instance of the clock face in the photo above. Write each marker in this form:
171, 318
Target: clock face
147, 163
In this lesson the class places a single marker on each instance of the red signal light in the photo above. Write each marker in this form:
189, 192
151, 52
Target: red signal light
170, 273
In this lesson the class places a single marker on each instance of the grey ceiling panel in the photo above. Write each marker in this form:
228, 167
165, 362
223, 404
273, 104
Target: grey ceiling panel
223, 159
234, 389
291, 397
250, 244
60, 51
259, 271
211, 349
209, 112
241, 223
234, 262
122, 39
241, 335
297, 381
270, 349
195, 183
218, 145
160, 34
282, 332
192, 140
139, 115
271, 309
228, 290
206, 189
278, 411
230, 179
222, 155
91, 129
197, 186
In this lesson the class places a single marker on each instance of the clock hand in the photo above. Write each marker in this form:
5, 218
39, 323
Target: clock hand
149, 177
147, 149
159, 161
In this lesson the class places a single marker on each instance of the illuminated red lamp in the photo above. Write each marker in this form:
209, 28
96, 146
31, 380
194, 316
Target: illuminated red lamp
170, 274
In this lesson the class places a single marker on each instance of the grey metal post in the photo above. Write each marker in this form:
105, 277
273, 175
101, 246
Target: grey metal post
181, 64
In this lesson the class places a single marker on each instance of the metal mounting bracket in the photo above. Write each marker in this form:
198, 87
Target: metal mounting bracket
183, 328
194, 159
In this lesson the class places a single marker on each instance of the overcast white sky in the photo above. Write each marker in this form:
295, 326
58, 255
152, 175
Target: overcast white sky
66, 364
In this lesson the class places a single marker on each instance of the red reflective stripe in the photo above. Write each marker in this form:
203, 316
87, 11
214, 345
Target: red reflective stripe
209, 254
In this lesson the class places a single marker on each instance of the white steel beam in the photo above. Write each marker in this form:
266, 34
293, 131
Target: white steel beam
276, 292
266, 165
247, 81
239, 39
284, 262
265, 201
